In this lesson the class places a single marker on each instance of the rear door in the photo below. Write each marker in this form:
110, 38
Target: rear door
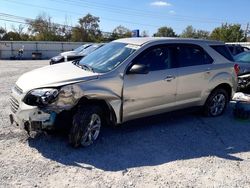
194, 73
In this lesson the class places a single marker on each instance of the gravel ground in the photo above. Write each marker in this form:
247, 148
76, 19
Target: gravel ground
180, 149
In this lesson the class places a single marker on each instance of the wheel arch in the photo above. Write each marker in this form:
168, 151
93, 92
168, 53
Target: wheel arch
227, 87
109, 113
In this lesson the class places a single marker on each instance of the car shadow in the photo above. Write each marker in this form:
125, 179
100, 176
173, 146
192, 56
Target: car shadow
153, 141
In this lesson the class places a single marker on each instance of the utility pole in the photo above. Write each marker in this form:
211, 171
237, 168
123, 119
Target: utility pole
247, 30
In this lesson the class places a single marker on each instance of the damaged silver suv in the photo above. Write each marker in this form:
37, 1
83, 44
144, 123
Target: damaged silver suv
124, 80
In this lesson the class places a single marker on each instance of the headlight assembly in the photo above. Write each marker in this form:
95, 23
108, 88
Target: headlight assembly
41, 97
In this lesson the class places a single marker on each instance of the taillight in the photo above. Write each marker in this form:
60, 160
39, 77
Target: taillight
237, 69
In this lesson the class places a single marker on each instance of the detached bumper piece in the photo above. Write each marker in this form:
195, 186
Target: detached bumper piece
241, 106
243, 82
32, 126
35, 125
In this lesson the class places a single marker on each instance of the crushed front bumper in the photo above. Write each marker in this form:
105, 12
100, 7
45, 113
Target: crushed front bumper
30, 118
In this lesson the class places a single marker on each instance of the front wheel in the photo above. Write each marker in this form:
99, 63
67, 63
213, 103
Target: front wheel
216, 103
86, 126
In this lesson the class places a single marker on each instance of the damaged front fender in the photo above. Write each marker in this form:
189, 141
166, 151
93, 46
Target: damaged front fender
70, 95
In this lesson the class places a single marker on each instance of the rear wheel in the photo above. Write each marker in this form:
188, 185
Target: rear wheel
216, 103
86, 126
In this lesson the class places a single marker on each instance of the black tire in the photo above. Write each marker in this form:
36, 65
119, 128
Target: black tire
81, 125
216, 94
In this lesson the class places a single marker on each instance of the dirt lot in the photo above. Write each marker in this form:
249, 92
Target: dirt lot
181, 149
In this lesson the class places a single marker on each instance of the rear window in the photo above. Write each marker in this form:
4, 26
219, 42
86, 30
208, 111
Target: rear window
224, 51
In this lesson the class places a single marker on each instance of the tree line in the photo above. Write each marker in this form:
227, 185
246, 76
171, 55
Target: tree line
226, 32
88, 30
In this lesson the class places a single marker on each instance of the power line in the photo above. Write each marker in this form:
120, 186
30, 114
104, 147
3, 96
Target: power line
25, 20
118, 11
137, 11
60, 10
128, 12
141, 13
8, 20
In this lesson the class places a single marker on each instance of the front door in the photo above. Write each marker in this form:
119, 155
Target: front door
154, 92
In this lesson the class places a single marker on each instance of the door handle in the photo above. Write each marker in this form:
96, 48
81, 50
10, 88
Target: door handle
169, 78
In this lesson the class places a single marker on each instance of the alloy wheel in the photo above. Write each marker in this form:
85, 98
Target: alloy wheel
217, 104
93, 130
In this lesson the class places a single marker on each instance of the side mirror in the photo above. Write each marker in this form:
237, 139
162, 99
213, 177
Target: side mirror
138, 69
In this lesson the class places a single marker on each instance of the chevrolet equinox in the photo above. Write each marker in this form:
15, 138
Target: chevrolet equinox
124, 80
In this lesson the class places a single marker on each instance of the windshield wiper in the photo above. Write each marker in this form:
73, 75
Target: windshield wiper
76, 62
86, 67
83, 66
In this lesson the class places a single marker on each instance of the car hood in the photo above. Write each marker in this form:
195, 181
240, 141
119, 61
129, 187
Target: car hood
54, 76
69, 53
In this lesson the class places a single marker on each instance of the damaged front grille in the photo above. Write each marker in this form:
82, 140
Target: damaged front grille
14, 104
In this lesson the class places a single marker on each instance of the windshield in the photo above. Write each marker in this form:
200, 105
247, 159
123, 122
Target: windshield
109, 56
243, 57
90, 49
81, 48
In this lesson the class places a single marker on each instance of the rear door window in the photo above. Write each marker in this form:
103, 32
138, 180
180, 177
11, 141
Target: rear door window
191, 55
224, 51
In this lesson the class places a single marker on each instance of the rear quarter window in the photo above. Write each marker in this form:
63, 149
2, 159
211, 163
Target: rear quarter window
224, 51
